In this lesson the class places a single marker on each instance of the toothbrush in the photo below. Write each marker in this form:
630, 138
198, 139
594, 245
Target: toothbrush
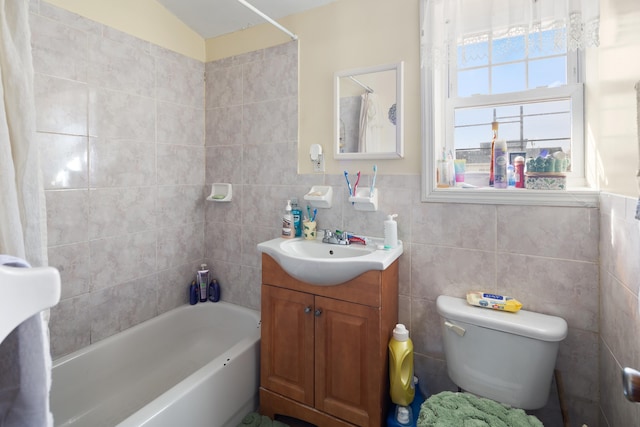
373, 181
355, 186
315, 212
346, 176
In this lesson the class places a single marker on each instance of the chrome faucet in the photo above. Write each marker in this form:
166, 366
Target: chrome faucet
337, 238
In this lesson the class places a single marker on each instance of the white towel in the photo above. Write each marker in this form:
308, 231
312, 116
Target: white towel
25, 370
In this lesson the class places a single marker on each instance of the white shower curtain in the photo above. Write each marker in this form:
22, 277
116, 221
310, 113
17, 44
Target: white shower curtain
25, 359
371, 122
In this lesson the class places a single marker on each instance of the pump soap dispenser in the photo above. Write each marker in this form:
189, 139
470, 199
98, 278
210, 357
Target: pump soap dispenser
390, 232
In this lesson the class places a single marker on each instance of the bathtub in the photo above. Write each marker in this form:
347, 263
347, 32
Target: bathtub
192, 366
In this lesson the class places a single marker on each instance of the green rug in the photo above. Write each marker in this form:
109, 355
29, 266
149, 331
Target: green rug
448, 409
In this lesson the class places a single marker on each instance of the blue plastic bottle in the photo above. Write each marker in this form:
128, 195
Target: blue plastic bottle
296, 212
214, 291
193, 293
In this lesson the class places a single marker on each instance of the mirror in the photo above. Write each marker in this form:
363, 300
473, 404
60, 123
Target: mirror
368, 113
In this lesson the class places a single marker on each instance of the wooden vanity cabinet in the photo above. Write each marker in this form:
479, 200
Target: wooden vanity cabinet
324, 356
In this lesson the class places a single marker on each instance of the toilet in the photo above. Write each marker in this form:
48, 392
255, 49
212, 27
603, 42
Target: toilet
507, 357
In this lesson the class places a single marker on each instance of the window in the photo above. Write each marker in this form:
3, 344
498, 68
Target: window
482, 66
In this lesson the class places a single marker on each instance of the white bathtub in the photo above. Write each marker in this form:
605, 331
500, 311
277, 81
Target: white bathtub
192, 366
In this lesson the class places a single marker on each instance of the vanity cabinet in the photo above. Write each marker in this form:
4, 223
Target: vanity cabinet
324, 356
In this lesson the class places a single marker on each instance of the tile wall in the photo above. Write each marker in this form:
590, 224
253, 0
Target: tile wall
122, 127
619, 306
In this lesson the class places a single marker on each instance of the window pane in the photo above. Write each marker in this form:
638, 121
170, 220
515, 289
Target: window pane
508, 49
550, 72
473, 82
529, 127
546, 43
473, 55
508, 78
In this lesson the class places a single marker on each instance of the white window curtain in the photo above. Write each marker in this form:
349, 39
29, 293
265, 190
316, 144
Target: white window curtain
453, 23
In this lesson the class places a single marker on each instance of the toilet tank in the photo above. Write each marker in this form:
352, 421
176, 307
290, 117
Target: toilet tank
507, 357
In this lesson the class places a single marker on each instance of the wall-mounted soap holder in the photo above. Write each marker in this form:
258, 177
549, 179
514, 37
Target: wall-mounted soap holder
365, 200
220, 192
320, 196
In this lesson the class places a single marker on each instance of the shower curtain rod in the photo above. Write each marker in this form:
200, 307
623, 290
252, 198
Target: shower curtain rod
268, 19
367, 88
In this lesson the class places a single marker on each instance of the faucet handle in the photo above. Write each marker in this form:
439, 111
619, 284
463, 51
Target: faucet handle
327, 233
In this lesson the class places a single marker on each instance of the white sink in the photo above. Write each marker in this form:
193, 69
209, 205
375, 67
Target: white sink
324, 264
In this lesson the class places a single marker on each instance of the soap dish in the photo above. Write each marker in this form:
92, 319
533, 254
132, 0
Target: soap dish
220, 192
320, 196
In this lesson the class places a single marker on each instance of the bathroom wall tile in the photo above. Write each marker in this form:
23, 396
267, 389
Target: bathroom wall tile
229, 276
120, 259
404, 273
568, 289
67, 216
454, 224
58, 50
249, 288
251, 236
577, 362
179, 84
290, 48
268, 122
259, 164
223, 243
619, 314
432, 374
117, 308
63, 160
61, 105
438, 270
224, 164
72, 261
179, 124
372, 223
224, 126
232, 61
70, 325
120, 66
180, 164
173, 285
404, 311
426, 332
180, 204
272, 78
584, 412
69, 18
179, 245
625, 246
114, 114
223, 85
134, 207
617, 410
121, 37
606, 243
121, 163
568, 233
169, 55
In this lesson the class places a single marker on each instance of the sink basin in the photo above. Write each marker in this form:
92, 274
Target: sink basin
323, 264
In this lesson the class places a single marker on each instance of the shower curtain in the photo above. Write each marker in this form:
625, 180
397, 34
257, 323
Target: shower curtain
371, 122
24, 382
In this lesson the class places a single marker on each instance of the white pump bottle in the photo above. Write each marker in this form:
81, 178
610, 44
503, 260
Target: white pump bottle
391, 232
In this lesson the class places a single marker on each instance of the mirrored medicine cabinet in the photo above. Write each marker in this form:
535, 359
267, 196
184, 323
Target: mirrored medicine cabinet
368, 113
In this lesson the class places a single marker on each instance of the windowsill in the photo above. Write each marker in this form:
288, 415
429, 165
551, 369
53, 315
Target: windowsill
578, 197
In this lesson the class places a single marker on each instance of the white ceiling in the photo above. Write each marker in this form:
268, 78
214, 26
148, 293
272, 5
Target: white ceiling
212, 18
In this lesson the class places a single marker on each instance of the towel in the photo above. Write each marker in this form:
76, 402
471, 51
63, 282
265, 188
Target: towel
448, 409
25, 370
254, 419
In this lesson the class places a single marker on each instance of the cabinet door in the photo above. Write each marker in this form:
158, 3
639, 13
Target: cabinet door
287, 343
347, 351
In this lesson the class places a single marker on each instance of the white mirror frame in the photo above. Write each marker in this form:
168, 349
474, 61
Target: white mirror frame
399, 153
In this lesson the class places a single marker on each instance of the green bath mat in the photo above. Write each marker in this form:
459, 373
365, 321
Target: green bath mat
448, 409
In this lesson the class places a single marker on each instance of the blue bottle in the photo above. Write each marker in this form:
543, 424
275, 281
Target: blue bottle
193, 293
296, 213
214, 291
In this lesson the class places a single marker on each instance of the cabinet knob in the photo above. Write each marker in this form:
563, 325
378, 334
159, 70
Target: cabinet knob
318, 312
307, 309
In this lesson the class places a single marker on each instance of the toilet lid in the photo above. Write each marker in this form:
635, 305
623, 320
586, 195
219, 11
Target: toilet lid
525, 323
